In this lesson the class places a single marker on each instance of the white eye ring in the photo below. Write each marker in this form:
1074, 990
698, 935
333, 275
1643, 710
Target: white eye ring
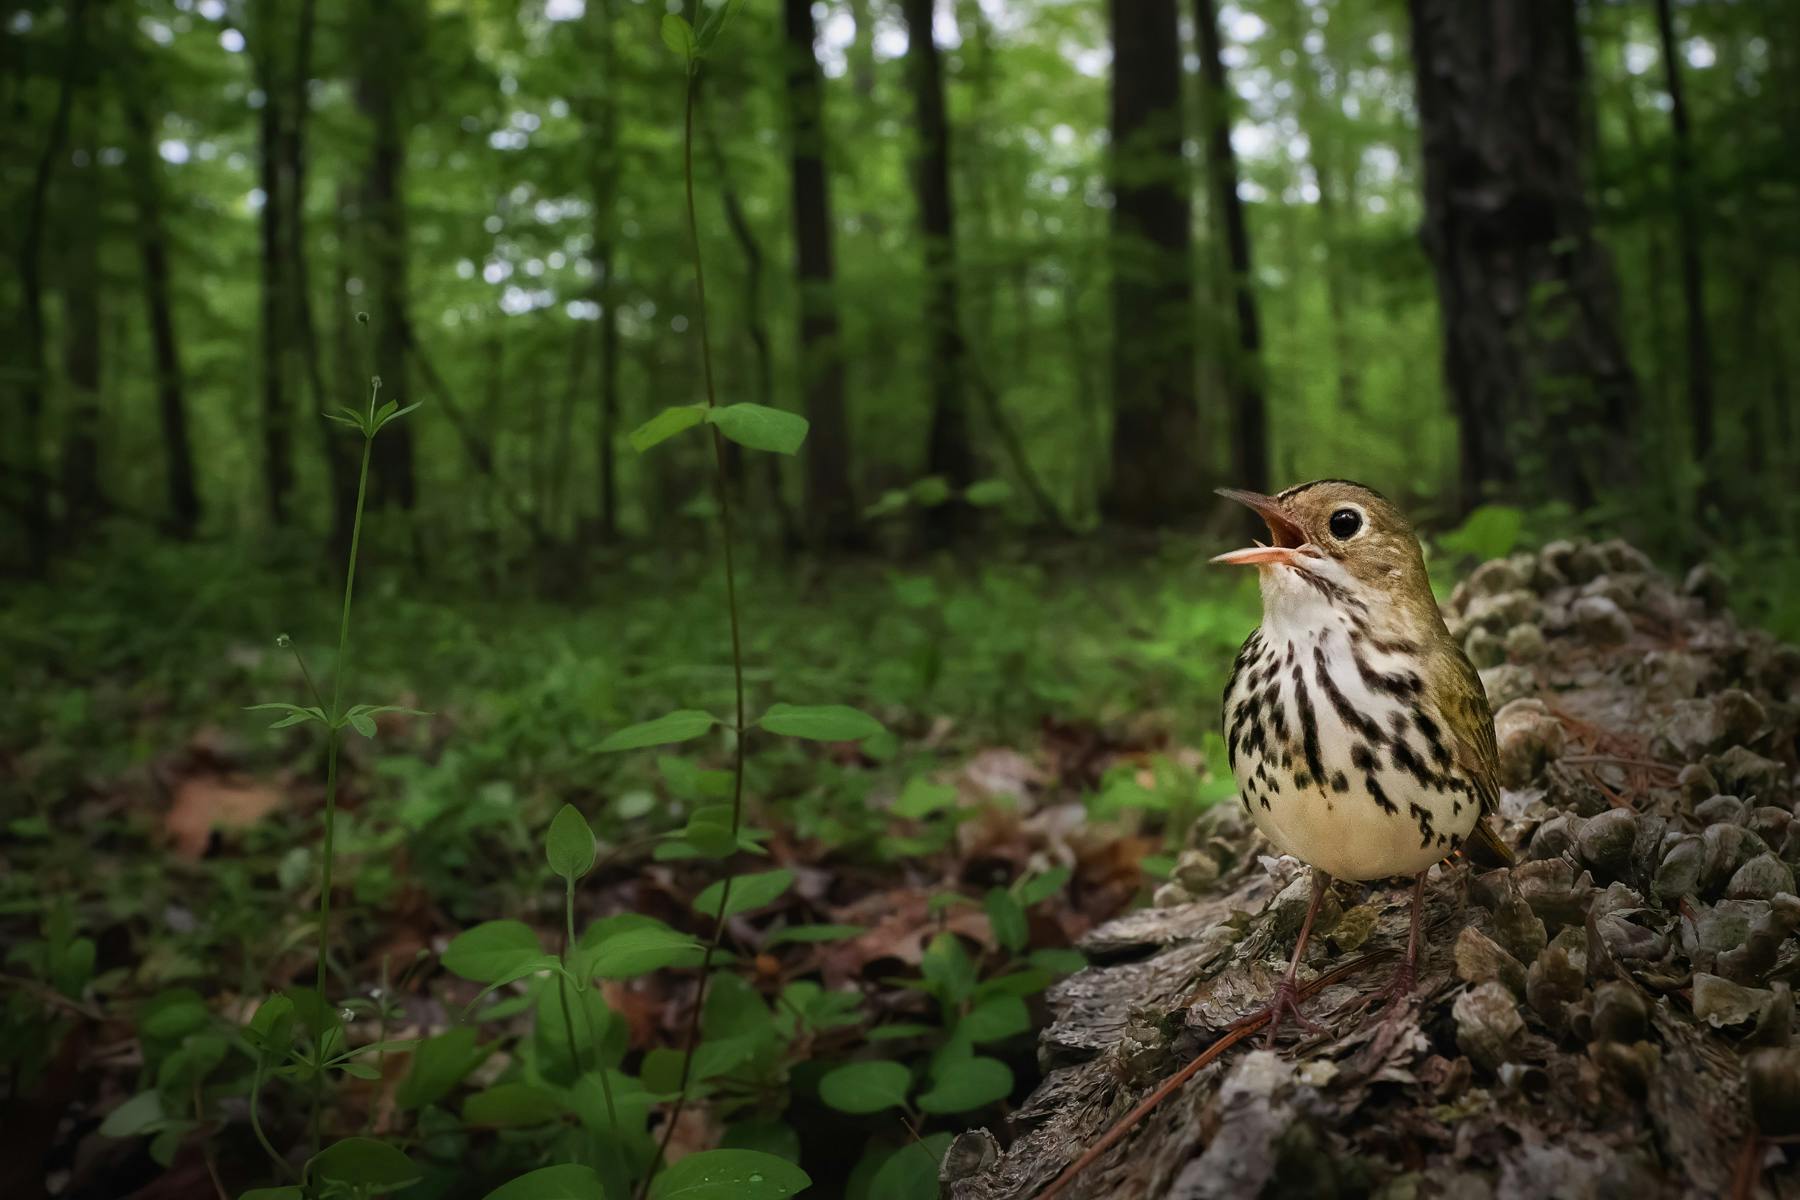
1355, 518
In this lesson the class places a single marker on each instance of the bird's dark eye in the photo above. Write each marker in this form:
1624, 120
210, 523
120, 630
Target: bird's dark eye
1345, 523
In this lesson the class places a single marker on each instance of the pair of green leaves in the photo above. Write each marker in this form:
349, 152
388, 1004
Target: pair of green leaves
360, 717
499, 952
816, 722
755, 426
370, 420
680, 37
959, 1083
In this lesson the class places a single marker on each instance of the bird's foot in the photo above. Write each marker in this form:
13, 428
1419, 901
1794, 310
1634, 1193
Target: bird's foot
1286, 1004
1393, 999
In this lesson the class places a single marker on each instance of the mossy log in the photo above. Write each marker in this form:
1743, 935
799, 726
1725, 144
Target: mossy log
1609, 1017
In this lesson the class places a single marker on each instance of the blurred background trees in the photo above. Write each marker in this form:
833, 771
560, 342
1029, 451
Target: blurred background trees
1077, 261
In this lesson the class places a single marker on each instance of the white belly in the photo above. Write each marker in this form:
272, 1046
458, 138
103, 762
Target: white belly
1344, 766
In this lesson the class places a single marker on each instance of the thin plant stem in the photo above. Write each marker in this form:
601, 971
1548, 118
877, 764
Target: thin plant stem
737, 645
256, 1128
587, 1016
334, 737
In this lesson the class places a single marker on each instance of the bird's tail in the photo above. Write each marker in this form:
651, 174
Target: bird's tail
1484, 847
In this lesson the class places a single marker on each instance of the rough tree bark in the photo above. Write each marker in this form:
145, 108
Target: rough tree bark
1528, 299
830, 503
144, 171
1155, 410
1609, 1017
1688, 239
1249, 412
948, 453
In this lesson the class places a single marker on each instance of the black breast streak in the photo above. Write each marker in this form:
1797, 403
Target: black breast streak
1346, 711
1309, 732
1440, 750
1402, 685
1423, 815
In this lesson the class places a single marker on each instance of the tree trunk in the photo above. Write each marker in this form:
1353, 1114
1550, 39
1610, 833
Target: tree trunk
277, 441
1249, 412
756, 323
165, 349
1527, 296
79, 281
385, 50
338, 449
1155, 410
606, 187
1688, 236
35, 502
947, 451
830, 504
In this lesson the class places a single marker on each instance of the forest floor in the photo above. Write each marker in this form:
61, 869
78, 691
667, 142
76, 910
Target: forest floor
1044, 723
1048, 730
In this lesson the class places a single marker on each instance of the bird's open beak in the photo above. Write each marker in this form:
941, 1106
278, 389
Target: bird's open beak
1287, 536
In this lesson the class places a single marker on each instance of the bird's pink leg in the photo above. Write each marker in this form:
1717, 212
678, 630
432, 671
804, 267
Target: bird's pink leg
1408, 973
1287, 992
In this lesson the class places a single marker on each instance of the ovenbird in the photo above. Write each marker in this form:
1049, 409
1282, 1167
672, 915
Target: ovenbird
1358, 731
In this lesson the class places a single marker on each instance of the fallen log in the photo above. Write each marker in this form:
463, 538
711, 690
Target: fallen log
1609, 1017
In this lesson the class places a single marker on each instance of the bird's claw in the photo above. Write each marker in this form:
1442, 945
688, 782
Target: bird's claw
1286, 1003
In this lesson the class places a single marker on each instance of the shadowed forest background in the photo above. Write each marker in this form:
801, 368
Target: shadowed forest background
1039, 274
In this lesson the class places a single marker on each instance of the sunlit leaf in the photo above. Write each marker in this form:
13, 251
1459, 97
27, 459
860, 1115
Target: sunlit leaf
759, 427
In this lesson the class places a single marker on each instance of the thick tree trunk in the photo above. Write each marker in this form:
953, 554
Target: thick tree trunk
1527, 295
830, 504
385, 51
165, 348
1249, 411
1155, 411
1688, 237
277, 439
948, 453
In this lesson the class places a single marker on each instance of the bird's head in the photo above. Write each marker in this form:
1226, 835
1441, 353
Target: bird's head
1336, 547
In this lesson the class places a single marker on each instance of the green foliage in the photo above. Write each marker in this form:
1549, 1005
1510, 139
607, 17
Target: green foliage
569, 844
565, 1181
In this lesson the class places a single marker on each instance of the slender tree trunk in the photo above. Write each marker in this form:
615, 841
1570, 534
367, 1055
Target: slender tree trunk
1155, 411
277, 441
948, 453
385, 50
79, 282
165, 348
830, 504
36, 481
606, 264
1249, 410
1542, 387
1688, 238
337, 449
755, 322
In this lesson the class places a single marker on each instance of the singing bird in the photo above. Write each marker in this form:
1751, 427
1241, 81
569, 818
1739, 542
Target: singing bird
1358, 731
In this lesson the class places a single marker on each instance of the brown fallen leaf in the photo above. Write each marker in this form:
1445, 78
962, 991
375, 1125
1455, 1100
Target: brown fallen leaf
203, 803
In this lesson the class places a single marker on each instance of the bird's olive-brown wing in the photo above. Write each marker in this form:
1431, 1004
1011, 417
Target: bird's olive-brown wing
1463, 706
